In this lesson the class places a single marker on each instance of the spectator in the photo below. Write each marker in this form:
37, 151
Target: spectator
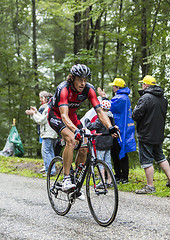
40, 110
58, 147
103, 143
150, 114
48, 135
122, 112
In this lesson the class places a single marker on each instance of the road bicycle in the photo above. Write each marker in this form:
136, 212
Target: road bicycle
101, 187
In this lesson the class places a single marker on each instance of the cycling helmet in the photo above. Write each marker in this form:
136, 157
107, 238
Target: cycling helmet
80, 70
106, 104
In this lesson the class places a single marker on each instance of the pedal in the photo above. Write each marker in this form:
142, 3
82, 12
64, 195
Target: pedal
72, 198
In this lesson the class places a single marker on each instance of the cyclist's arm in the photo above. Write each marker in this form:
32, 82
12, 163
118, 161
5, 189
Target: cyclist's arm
65, 118
103, 118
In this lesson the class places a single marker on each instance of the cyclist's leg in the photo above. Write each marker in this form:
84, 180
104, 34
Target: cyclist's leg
68, 136
57, 146
81, 156
82, 152
58, 125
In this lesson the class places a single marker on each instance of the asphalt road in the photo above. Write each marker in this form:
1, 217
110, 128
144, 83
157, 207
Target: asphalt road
25, 213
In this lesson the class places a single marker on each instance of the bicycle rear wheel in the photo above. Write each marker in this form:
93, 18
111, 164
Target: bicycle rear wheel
58, 199
102, 200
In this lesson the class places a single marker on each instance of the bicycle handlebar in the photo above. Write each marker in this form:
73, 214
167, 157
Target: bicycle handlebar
93, 135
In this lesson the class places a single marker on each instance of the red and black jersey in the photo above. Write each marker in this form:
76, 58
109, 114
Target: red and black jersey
66, 96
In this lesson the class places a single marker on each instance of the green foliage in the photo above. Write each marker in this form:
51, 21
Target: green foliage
111, 46
84, 56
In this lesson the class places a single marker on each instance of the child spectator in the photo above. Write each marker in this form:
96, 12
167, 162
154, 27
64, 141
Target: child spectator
103, 143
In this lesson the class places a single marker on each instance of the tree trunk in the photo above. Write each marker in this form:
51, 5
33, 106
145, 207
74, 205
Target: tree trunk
103, 53
86, 26
134, 73
144, 39
35, 65
90, 42
152, 33
119, 44
17, 37
34, 35
77, 33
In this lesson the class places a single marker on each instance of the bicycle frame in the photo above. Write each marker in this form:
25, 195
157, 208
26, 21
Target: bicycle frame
91, 157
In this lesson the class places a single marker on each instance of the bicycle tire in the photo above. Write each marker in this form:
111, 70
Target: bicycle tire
103, 205
58, 199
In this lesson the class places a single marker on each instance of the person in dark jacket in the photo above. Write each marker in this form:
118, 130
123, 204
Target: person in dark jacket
103, 143
150, 115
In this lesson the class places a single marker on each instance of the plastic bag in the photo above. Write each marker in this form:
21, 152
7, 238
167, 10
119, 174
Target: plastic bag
16, 140
8, 150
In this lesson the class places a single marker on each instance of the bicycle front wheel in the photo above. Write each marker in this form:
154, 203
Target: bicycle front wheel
58, 199
102, 193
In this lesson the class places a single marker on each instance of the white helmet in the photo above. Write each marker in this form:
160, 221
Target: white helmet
105, 104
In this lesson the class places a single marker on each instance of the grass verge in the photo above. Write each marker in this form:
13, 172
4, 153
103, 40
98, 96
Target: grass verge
30, 167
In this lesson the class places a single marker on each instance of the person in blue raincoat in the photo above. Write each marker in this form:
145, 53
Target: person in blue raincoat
122, 112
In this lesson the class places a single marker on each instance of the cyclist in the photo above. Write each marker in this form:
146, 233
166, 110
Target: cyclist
63, 119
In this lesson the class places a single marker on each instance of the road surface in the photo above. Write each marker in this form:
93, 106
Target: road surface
25, 213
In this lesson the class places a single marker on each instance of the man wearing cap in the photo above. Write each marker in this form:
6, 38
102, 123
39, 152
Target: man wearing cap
122, 112
150, 113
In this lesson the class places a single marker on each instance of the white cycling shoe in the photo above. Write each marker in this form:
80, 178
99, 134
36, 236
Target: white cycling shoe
82, 196
42, 170
67, 184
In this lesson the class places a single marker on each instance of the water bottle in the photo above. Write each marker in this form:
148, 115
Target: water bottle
79, 169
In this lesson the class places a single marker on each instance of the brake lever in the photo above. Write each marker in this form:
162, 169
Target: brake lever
118, 133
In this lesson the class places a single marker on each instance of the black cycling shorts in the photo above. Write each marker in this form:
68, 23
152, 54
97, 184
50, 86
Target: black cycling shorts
58, 125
